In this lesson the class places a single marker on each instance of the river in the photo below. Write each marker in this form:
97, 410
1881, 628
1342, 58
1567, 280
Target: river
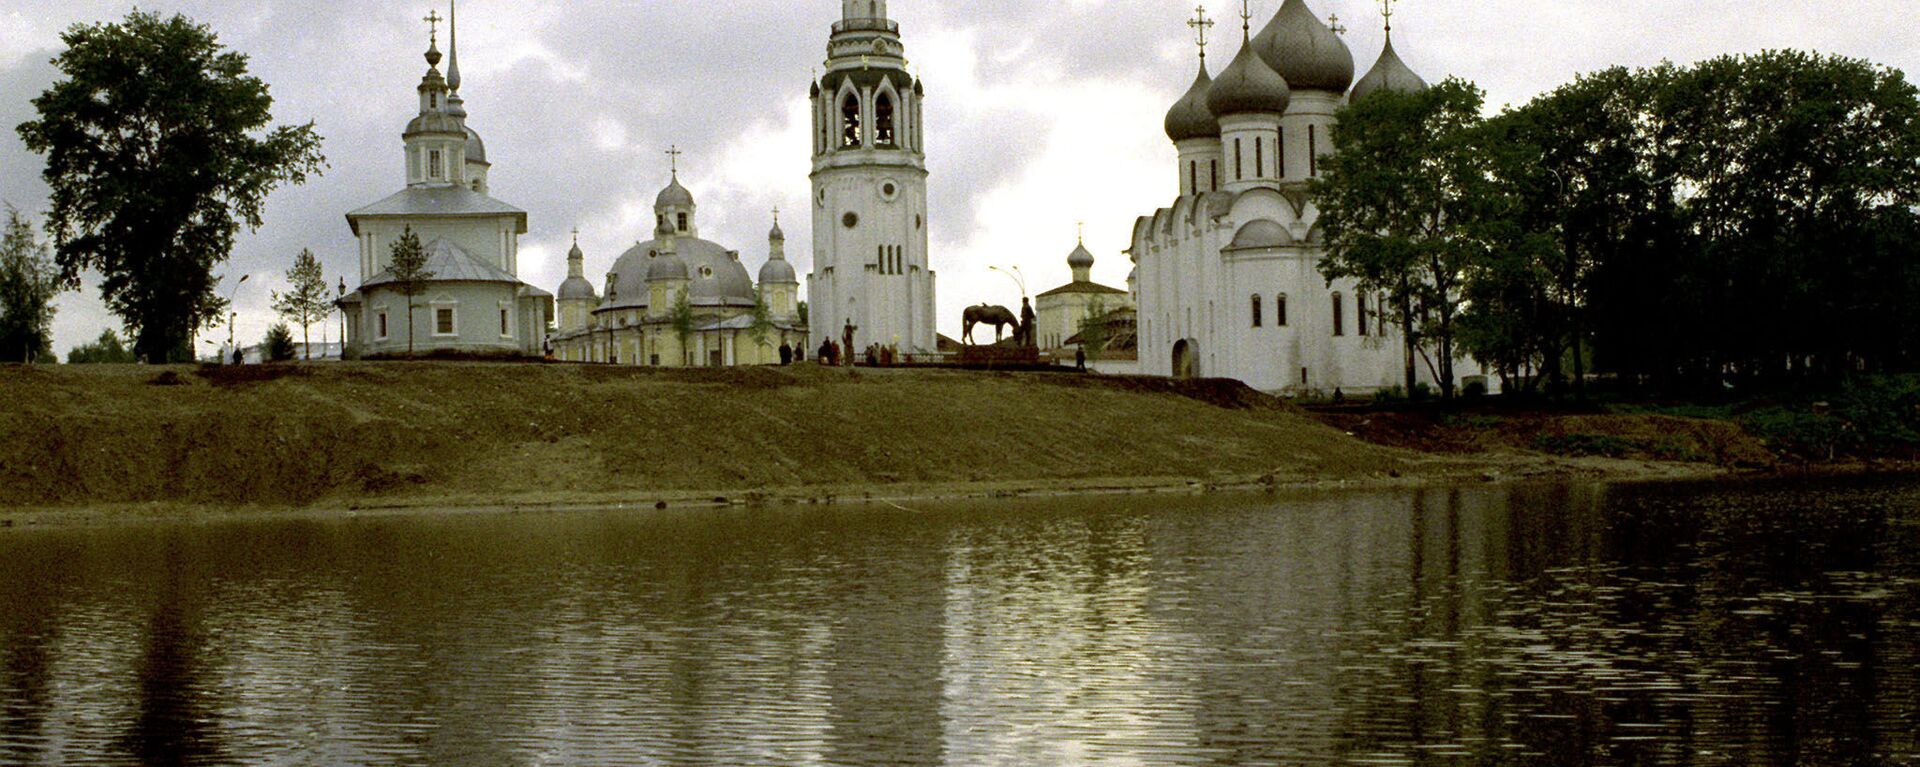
1764, 623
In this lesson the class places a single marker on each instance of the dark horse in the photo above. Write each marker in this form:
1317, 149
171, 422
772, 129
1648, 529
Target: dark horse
998, 316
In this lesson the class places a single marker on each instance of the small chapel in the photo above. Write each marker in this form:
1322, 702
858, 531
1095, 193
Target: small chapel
474, 302
1227, 276
677, 300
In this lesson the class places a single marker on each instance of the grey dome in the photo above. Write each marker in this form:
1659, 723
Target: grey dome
778, 271
476, 149
435, 122
776, 234
667, 266
1304, 51
1190, 118
1248, 86
577, 289
1261, 233
729, 284
674, 196
1389, 73
1080, 257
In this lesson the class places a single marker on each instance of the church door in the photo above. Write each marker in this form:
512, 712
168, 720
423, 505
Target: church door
1185, 360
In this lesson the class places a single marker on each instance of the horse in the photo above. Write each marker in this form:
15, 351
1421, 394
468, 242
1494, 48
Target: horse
997, 316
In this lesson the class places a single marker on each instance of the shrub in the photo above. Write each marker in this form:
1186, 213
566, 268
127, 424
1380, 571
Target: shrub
280, 343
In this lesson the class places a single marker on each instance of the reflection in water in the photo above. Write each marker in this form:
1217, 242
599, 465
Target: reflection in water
1563, 625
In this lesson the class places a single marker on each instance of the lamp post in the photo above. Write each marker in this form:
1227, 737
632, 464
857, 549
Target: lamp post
233, 316
340, 294
1013, 273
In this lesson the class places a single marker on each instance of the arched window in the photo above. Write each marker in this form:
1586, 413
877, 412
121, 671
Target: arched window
1239, 172
1339, 315
1313, 152
1280, 310
1257, 319
1193, 176
1360, 307
1280, 152
850, 119
883, 120
1213, 175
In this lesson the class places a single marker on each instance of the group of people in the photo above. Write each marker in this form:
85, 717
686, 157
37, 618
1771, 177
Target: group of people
832, 354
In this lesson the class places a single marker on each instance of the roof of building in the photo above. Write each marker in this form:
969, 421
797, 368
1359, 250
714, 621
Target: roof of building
1389, 73
717, 277
1190, 118
577, 288
1082, 287
778, 271
1261, 233
428, 201
1080, 256
1305, 51
1248, 86
674, 196
451, 263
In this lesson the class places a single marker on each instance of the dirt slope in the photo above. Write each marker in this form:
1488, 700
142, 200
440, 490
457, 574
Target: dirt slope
75, 436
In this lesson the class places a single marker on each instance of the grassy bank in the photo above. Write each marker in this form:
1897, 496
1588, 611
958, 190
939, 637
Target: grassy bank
476, 433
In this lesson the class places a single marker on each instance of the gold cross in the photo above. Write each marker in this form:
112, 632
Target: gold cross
776, 215
1334, 20
433, 24
1386, 12
673, 157
1201, 25
1246, 20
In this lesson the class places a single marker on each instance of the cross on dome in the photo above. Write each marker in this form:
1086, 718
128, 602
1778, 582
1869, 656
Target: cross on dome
1386, 12
673, 159
1246, 21
433, 20
1333, 23
1201, 26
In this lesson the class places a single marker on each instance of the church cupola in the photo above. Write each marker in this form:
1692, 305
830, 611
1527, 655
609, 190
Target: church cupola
1081, 263
1389, 73
576, 297
1249, 98
673, 209
779, 284
436, 140
1305, 50
1192, 126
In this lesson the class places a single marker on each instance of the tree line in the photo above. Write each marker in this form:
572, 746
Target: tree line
1746, 221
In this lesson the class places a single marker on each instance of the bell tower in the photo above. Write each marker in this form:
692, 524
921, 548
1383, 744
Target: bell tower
870, 264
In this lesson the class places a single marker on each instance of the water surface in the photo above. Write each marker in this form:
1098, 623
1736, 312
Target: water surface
1728, 624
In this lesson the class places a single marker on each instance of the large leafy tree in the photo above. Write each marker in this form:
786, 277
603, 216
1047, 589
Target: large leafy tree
107, 350
1404, 202
159, 149
306, 301
28, 283
408, 267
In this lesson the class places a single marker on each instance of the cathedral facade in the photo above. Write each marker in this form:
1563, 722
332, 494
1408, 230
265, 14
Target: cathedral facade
870, 266
474, 302
677, 300
1227, 276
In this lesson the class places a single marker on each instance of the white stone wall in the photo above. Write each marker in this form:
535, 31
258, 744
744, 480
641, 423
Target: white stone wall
476, 307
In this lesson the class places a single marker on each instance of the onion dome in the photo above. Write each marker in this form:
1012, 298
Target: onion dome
1304, 51
1081, 258
577, 289
1190, 118
674, 196
1389, 73
776, 235
1248, 86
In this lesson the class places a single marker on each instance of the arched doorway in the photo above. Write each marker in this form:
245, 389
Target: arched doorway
1186, 359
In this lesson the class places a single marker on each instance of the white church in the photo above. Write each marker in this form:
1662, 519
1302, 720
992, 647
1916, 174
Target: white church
1227, 277
870, 266
475, 302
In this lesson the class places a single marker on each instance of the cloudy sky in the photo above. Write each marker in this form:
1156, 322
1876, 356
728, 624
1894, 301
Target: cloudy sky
1041, 115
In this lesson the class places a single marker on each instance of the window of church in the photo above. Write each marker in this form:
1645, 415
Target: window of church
1339, 316
506, 330
850, 122
680, 221
1280, 310
382, 326
1256, 311
1360, 306
1280, 154
1193, 176
1237, 170
435, 165
433, 101
1313, 152
883, 121
443, 321
1259, 157
1213, 174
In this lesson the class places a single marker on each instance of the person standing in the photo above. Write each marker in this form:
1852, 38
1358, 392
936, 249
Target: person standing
786, 354
1027, 335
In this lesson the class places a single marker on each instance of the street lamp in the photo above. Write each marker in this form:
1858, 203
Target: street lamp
233, 316
1013, 273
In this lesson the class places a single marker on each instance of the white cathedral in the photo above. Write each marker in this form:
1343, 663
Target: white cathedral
1227, 277
474, 302
870, 267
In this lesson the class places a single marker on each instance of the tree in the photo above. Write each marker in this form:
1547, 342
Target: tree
408, 267
307, 302
1409, 207
762, 319
106, 351
279, 343
681, 318
1093, 329
158, 150
28, 283
803, 313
